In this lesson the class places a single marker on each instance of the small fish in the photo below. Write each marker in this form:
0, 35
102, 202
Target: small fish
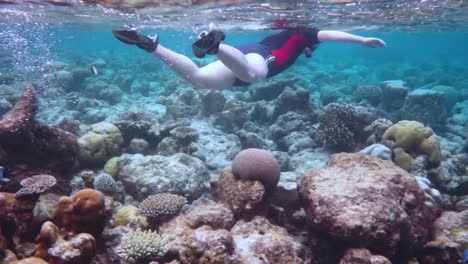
2, 180
94, 70
464, 258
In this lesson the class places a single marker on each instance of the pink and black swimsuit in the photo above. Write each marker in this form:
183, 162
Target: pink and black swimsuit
281, 50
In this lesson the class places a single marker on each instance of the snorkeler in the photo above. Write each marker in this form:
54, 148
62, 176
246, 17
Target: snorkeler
245, 64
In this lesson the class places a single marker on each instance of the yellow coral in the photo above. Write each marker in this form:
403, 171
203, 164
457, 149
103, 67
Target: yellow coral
129, 215
112, 166
412, 136
403, 159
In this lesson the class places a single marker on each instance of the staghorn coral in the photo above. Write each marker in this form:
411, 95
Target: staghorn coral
82, 212
142, 247
36, 184
257, 165
161, 206
336, 126
57, 249
412, 136
105, 183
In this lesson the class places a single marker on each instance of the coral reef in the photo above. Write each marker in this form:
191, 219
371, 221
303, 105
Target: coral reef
38, 148
244, 198
161, 206
413, 137
393, 209
102, 142
105, 183
337, 126
179, 174
427, 107
60, 249
142, 247
450, 238
257, 165
36, 184
362, 255
128, 215
370, 93
82, 212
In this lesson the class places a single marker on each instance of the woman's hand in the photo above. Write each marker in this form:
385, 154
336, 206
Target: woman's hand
373, 42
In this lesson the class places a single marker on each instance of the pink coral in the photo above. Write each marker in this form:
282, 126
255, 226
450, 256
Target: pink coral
257, 165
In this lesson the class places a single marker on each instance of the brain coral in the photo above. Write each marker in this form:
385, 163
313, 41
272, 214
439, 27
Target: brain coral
412, 136
142, 247
161, 206
257, 165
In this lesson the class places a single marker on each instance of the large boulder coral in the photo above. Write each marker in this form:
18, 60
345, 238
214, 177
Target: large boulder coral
102, 142
179, 174
28, 147
257, 165
413, 137
82, 212
368, 202
394, 93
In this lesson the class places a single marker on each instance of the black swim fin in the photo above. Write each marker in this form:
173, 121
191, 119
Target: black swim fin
133, 37
208, 44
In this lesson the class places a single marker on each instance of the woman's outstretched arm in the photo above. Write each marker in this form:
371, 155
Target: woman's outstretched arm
339, 36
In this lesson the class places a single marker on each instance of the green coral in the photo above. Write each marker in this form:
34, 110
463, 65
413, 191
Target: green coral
413, 136
142, 247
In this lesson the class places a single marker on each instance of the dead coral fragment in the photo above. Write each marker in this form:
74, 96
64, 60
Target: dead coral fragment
36, 185
142, 247
161, 206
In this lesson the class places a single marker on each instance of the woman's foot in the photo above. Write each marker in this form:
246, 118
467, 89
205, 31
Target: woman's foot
208, 43
132, 37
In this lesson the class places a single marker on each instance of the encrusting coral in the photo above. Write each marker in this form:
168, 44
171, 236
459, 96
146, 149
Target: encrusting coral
142, 247
82, 212
412, 136
161, 206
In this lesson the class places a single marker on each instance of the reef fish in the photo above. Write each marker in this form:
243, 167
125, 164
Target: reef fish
2, 180
464, 258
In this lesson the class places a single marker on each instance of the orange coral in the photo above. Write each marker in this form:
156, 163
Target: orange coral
82, 212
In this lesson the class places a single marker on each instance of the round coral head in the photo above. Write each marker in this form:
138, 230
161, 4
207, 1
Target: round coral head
257, 165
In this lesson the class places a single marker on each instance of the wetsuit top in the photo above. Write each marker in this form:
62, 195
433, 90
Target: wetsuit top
281, 50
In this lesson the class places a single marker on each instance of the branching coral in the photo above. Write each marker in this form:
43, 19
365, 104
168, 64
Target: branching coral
142, 247
336, 125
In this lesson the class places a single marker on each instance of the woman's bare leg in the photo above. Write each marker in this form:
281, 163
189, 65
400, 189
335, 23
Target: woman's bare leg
219, 74
249, 68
